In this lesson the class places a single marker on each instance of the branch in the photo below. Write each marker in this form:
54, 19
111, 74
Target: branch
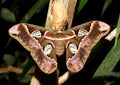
56, 20
111, 35
62, 79
15, 70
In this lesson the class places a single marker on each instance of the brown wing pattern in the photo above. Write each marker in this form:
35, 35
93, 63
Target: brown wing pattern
44, 45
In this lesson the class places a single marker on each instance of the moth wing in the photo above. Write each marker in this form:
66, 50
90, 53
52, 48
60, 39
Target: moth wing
28, 35
87, 35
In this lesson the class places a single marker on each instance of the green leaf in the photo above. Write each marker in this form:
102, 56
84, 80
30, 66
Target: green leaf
8, 59
106, 4
115, 74
37, 6
7, 15
81, 4
117, 32
108, 63
26, 78
2, 1
26, 68
8, 42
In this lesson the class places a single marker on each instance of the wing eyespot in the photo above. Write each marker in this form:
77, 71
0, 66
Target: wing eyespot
36, 34
73, 48
47, 49
82, 32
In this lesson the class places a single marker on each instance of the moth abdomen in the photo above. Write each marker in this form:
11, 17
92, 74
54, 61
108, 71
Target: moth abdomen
59, 47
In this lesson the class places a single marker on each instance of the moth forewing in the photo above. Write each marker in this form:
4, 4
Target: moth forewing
22, 34
97, 29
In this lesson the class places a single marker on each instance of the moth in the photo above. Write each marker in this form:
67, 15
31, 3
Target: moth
45, 45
